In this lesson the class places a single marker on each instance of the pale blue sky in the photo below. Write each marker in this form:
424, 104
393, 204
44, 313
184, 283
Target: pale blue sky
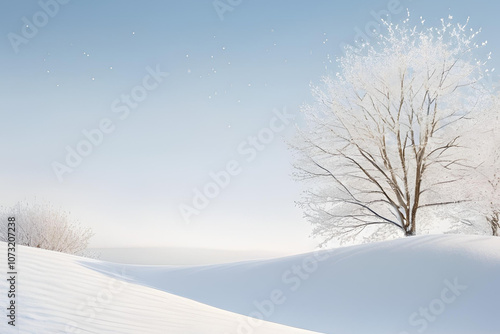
225, 79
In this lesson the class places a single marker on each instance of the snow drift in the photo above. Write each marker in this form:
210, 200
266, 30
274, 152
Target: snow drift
57, 294
427, 284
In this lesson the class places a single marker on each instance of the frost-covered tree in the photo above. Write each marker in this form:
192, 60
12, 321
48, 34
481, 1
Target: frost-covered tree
382, 142
493, 216
492, 172
41, 226
484, 183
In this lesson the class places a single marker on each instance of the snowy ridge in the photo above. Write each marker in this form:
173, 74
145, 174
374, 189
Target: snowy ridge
428, 284
56, 294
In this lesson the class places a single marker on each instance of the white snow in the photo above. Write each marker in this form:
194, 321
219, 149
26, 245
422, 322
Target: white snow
58, 293
427, 284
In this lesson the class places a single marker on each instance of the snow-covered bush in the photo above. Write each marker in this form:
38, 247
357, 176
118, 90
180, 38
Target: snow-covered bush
42, 226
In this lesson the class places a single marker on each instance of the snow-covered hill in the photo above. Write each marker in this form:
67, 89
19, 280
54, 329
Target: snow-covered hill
428, 284
57, 294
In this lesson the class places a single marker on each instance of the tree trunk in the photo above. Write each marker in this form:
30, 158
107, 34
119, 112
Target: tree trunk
494, 221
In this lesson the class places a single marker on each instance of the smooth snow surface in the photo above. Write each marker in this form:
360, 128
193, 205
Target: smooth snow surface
56, 294
428, 284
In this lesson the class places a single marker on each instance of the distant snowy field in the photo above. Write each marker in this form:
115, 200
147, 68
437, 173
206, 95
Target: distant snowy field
427, 284
179, 256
